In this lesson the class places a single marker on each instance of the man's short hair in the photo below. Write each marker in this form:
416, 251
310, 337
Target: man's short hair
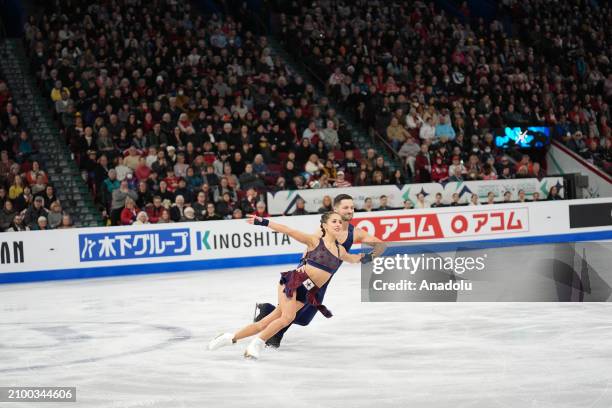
341, 197
383, 196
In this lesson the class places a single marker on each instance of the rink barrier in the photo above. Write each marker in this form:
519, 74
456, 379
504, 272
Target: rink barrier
284, 201
103, 252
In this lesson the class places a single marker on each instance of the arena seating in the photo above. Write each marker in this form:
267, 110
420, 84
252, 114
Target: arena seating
164, 108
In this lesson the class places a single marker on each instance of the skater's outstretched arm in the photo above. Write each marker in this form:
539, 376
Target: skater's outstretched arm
309, 240
350, 258
365, 238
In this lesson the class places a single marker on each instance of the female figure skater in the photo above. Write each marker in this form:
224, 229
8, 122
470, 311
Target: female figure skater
297, 287
343, 205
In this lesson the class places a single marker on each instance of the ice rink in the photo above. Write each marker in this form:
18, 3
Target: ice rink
140, 341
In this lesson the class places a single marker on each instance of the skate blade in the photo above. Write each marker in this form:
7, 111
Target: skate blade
248, 356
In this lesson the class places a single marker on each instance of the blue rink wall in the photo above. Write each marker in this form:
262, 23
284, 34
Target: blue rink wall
199, 246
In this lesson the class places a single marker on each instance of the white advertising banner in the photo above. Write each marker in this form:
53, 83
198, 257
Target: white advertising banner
283, 202
84, 252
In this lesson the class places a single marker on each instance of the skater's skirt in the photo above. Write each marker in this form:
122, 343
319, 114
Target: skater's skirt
293, 281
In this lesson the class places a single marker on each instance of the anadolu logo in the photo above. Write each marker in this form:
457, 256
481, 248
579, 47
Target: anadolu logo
206, 240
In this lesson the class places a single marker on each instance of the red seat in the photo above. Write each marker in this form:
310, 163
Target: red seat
339, 155
283, 157
275, 168
270, 180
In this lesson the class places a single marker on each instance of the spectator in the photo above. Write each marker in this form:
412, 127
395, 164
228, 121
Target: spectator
311, 133
300, 207
48, 195
427, 133
142, 218
211, 214
222, 188
178, 208
225, 207
119, 204
444, 130
129, 211
553, 194
383, 203
33, 175
165, 217
362, 179
455, 200
249, 202
397, 178
261, 210
132, 160
409, 152
438, 201
188, 215
35, 211
396, 134
59, 90
249, 179
341, 181
439, 170
199, 206
329, 136
420, 202
457, 176
66, 222
367, 205
507, 197
154, 211
259, 167
7, 214
474, 200
16, 189
38, 186
326, 205
18, 224
54, 217
41, 224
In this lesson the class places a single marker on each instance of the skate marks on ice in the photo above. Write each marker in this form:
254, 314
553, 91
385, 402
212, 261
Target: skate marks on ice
66, 338
382, 354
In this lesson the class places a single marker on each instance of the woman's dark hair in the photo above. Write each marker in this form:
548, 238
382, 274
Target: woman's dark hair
324, 217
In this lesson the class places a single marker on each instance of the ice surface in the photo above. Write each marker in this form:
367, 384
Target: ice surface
140, 342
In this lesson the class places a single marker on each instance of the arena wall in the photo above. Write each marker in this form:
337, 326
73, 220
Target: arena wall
97, 252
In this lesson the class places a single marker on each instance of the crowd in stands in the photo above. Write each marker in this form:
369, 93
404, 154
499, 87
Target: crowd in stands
162, 104
437, 86
174, 116
27, 200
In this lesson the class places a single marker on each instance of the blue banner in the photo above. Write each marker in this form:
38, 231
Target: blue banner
129, 245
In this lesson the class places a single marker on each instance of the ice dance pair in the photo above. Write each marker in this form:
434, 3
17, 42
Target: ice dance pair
301, 291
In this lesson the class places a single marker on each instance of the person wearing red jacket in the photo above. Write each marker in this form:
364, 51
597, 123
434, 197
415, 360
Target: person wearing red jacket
422, 165
155, 211
129, 212
439, 171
